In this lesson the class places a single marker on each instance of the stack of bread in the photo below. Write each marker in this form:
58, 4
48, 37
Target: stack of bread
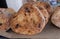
30, 19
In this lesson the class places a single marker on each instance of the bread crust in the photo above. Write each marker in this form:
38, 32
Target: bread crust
43, 11
46, 5
28, 20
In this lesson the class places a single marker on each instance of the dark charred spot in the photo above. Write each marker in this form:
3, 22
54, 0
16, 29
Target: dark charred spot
47, 6
17, 25
40, 8
27, 10
31, 18
33, 21
26, 20
39, 26
25, 14
0, 24
29, 31
14, 16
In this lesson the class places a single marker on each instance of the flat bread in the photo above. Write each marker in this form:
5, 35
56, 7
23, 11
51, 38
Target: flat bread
28, 21
56, 17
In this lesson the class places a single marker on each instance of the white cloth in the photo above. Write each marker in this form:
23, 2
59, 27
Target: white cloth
52, 0
15, 4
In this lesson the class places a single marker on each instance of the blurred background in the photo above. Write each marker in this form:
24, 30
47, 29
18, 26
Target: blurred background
16, 4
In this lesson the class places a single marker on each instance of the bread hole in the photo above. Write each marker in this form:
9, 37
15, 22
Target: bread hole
0, 24
27, 10
39, 26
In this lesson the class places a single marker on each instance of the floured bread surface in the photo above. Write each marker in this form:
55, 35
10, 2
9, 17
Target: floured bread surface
28, 21
43, 11
56, 17
4, 22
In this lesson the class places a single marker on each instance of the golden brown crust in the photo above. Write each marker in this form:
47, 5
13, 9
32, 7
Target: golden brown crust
43, 10
46, 6
29, 21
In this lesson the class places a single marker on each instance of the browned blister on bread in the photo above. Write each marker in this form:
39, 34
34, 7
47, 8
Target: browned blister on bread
28, 20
